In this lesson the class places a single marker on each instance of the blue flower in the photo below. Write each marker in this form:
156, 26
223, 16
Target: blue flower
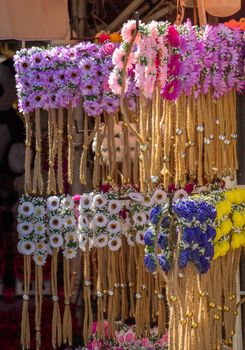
165, 222
203, 264
162, 240
186, 209
201, 216
194, 255
149, 237
155, 214
184, 257
191, 234
150, 262
164, 262
211, 233
209, 250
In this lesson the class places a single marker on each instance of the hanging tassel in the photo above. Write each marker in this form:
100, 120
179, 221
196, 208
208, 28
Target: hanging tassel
100, 314
99, 138
60, 151
37, 173
28, 180
56, 319
25, 323
70, 144
131, 277
67, 322
52, 136
123, 284
111, 313
38, 303
88, 316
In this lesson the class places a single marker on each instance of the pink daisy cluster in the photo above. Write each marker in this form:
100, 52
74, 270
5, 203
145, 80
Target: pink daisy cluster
180, 59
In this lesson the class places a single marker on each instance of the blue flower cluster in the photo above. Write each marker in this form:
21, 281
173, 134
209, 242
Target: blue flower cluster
162, 241
196, 219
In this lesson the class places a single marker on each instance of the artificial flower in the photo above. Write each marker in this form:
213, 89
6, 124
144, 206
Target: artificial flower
114, 226
55, 222
100, 220
39, 228
101, 240
24, 228
99, 201
53, 203
56, 240
114, 206
26, 209
159, 196
114, 244
27, 247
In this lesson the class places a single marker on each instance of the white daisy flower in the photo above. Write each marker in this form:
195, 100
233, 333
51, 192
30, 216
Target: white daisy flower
114, 206
101, 240
27, 247
26, 209
40, 259
39, 228
100, 220
41, 246
83, 221
39, 211
139, 218
71, 236
114, 226
130, 240
67, 203
18, 247
69, 253
135, 196
69, 221
55, 222
99, 201
180, 194
85, 201
114, 244
148, 202
139, 238
56, 240
53, 203
147, 215
159, 196
24, 228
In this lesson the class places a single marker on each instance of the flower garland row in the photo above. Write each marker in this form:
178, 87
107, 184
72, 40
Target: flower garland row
209, 225
206, 227
179, 58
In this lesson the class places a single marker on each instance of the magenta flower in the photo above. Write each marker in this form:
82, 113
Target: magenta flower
174, 66
173, 37
171, 90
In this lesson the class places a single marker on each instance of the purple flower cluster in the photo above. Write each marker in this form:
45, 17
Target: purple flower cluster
196, 220
62, 76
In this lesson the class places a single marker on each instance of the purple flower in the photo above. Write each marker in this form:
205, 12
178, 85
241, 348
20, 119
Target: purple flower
92, 107
87, 66
110, 103
150, 262
164, 262
155, 214
149, 237
162, 240
184, 257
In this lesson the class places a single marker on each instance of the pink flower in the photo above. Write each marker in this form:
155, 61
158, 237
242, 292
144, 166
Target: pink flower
174, 66
145, 342
160, 342
173, 37
165, 337
108, 49
121, 339
128, 30
118, 58
172, 90
129, 336
76, 197
115, 83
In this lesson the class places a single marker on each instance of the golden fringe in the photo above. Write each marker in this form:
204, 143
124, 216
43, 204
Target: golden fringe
88, 316
28, 157
37, 173
56, 319
52, 136
100, 313
67, 322
38, 303
70, 144
25, 324
60, 151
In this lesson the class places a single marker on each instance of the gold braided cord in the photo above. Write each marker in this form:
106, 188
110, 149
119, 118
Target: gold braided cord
38, 303
70, 144
25, 323
37, 172
56, 318
28, 143
67, 322
60, 150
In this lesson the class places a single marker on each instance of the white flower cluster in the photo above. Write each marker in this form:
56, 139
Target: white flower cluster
32, 228
85, 214
62, 225
106, 223
119, 143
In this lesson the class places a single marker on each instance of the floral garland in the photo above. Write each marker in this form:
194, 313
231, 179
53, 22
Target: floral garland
85, 232
126, 339
189, 57
106, 222
32, 228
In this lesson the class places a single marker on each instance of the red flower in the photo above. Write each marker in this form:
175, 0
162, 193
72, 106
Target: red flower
189, 187
172, 90
171, 188
173, 37
103, 37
